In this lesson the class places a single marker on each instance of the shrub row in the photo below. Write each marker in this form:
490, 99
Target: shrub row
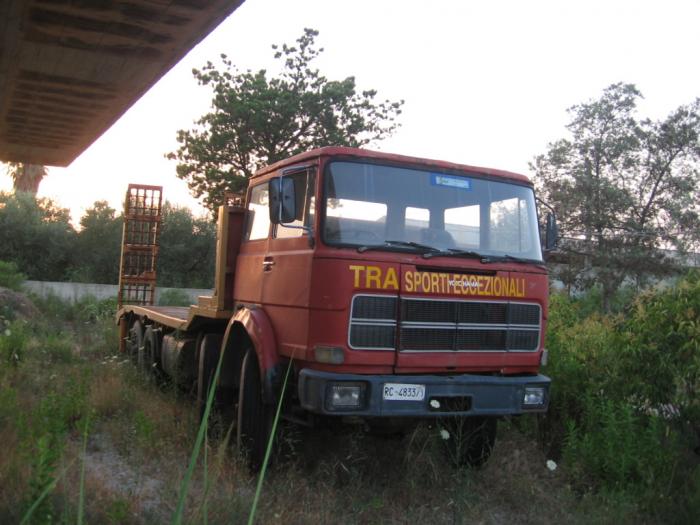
625, 411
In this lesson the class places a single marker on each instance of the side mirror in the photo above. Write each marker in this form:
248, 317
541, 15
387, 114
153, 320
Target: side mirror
282, 201
551, 235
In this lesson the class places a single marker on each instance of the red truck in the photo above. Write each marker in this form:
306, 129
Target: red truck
398, 288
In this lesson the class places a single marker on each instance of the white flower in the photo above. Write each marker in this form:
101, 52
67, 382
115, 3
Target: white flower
551, 465
444, 434
7, 332
435, 403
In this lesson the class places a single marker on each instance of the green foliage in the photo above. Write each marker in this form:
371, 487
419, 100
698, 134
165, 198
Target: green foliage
187, 249
174, 297
36, 235
10, 277
37, 238
14, 338
664, 348
624, 399
623, 188
621, 449
143, 427
257, 120
98, 246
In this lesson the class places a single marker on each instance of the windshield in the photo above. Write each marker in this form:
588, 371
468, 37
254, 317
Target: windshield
367, 205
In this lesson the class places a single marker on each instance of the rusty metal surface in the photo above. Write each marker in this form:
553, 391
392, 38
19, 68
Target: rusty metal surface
70, 68
142, 224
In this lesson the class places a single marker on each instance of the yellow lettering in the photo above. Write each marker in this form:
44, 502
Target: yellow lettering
373, 277
425, 282
497, 286
391, 281
357, 270
416, 281
443, 283
512, 291
521, 291
434, 283
408, 281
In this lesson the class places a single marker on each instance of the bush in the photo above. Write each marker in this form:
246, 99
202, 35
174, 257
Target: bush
625, 396
10, 276
174, 297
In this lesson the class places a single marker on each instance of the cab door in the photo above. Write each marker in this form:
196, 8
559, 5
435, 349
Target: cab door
254, 246
287, 267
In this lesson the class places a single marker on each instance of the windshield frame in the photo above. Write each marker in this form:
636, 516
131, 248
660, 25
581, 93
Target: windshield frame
322, 212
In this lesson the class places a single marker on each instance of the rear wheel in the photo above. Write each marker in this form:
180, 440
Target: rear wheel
254, 416
149, 353
134, 340
468, 440
209, 348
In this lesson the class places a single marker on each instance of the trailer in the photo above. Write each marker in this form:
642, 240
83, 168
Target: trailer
394, 288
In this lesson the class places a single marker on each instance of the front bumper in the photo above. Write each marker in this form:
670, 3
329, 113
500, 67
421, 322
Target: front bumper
483, 395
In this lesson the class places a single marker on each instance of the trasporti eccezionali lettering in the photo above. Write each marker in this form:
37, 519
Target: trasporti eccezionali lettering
374, 277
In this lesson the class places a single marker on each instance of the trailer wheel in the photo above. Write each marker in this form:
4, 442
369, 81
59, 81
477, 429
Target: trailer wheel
468, 440
208, 350
134, 340
254, 416
149, 354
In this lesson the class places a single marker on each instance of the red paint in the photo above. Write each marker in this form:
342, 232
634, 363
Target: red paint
302, 294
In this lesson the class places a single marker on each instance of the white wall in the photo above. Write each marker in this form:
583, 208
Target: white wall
75, 291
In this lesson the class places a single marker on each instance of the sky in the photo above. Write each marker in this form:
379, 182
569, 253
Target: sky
485, 83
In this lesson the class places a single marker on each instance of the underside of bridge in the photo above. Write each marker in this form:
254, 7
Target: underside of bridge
70, 68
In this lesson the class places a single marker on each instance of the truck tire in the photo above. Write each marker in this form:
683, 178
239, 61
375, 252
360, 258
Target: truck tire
134, 340
149, 354
254, 416
469, 440
208, 351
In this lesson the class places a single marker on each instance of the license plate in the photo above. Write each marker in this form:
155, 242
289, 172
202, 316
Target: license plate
403, 392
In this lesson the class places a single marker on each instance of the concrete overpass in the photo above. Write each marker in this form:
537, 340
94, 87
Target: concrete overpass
70, 68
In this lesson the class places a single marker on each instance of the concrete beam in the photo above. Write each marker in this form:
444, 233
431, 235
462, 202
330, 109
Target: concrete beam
70, 68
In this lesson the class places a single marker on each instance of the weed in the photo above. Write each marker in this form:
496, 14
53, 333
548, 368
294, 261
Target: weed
117, 511
10, 276
144, 428
14, 339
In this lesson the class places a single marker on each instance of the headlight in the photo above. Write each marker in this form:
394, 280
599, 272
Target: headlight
345, 396
534, 396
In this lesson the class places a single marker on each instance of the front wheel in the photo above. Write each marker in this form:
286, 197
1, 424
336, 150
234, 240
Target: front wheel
468, 440
254, 416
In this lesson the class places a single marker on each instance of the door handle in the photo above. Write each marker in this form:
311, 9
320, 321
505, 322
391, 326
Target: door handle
267, 265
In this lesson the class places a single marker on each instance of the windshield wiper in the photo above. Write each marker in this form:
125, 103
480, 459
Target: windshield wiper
423, 248
453, 252
509, 258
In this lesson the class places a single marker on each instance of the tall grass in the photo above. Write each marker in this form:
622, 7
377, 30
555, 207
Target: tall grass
201, 433
268, 450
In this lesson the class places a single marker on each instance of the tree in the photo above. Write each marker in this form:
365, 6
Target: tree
625, 190
26, 177
258, 120
36, 235
98, 245
187, 249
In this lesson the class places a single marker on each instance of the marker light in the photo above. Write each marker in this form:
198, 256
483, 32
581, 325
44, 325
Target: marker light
332, 355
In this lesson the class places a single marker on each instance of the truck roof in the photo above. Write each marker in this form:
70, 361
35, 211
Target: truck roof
338, 151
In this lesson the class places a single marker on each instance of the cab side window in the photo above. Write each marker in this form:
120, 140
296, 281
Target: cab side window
258, 221
304, 187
